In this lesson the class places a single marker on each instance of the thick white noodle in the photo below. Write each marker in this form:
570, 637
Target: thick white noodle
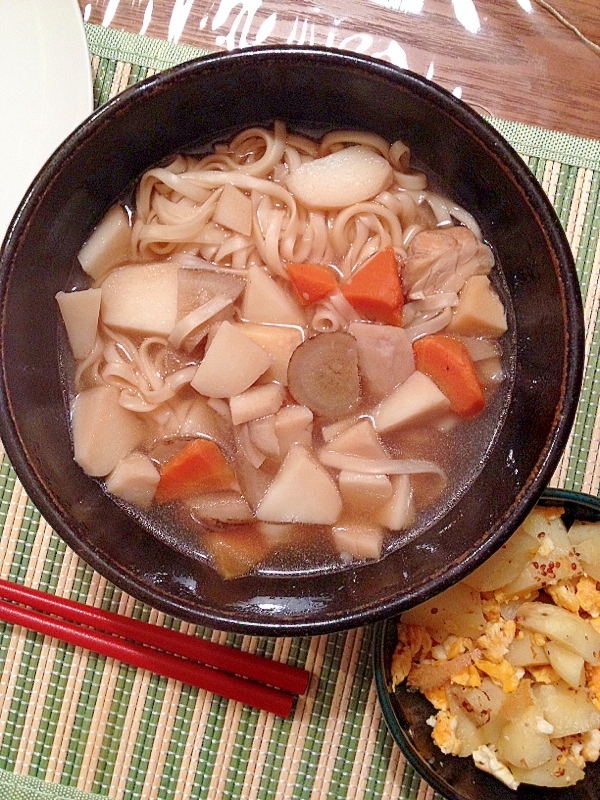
433, 325
378, 466
199, 316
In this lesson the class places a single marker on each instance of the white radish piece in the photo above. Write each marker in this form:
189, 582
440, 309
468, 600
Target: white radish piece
134, 480
588, 553
456, 611
266, 301
504, 566
141, 298
340, 179
256, 402
80, 312
568, 710
302, 491
415, 400
481, 349
525, 652
108, 244
231, 365
564, 627
521, 729
103, 431
489, 371
565, 663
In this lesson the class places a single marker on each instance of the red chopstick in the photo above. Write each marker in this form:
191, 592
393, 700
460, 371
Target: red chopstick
222, 676
238, 662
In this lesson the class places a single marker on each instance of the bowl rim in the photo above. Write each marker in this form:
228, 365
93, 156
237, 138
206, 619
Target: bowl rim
379, 662
497, 148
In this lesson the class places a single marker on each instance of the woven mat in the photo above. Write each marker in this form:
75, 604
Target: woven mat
73, 724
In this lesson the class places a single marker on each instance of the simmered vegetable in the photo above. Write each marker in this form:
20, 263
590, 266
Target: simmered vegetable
375, 290
311, 282
198, 467
448, 363
323, 374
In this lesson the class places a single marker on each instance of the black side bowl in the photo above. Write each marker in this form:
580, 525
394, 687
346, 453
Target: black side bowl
307, 88
406, 712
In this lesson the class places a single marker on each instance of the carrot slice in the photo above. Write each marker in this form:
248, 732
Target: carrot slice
447, 362
198, 467
375, 290
311, 282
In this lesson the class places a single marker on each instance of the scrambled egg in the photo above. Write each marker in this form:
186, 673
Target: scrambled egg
564, 594
503, 674
486, 759
468, 663
589, 596
443, 733
494, 643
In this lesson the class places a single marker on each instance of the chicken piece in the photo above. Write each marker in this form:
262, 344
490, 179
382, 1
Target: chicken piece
441, 260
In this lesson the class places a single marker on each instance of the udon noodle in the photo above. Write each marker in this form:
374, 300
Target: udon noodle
263, 348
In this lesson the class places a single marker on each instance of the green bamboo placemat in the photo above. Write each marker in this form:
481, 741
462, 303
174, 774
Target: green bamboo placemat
75, 725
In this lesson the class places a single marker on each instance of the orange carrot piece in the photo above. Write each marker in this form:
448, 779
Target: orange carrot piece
447, 362
198, 467
375, 290
311, 282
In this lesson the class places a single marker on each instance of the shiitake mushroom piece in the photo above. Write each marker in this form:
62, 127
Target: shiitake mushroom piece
323, 374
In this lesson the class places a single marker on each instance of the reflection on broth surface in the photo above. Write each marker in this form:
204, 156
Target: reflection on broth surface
288, 355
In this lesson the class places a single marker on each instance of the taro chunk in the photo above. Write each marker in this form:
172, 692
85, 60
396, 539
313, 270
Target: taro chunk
108, 245
80, 311
415, 400
234, 210
231, 365
266, 301
141, 298
278, 341
134, 480
358, 541
480, 311
103, 431
302, 491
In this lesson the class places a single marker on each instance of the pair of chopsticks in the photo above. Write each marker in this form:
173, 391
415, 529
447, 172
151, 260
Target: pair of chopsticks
235, 674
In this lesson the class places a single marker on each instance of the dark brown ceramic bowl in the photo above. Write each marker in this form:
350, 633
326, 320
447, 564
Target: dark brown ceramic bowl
315, 89
406, 712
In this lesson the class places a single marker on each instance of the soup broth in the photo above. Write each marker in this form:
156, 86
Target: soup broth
288, 352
